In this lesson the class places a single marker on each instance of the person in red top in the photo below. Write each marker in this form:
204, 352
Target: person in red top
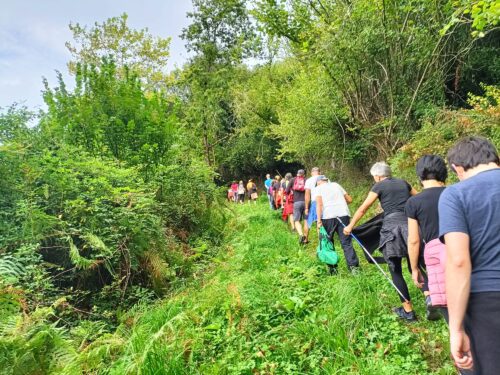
234, 188
288, 202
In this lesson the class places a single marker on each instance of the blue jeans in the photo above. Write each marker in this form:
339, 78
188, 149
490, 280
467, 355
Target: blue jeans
271, 201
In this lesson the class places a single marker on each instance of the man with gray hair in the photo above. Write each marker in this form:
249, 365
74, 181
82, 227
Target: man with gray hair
392, 194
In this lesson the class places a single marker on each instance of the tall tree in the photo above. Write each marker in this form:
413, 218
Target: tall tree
137, 49
221, 35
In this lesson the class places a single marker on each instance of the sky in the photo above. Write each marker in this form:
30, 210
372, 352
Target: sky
33, 34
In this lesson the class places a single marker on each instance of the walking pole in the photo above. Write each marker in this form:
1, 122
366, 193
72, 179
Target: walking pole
375, 262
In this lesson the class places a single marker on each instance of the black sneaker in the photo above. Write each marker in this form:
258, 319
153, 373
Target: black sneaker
432, 313
301, 240
408, 316
333, 269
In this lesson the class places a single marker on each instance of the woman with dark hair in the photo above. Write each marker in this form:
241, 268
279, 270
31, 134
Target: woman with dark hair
392, 194
423, 226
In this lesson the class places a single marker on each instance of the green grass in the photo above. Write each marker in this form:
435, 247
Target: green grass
267, 306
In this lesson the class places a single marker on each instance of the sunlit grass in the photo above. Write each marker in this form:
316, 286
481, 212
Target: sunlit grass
269, 307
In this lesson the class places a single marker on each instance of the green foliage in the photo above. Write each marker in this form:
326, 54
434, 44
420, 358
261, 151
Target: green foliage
484, 15
135, 50
108, 200
271, 308
112, 116
439, 133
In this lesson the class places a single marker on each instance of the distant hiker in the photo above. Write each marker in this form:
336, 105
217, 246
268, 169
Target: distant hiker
241, 192
234, 188
392, 194
268, 184
297, 186
288, 198
469, 224
252, 191
310, 202
276, 192
331, 205
230, 194
423, 226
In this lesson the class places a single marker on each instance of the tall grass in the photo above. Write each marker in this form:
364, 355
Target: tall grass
269, 307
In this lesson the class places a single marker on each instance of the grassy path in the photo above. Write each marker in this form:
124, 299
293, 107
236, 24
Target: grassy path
268, 307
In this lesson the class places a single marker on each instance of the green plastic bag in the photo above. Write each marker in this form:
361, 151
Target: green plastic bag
326, 252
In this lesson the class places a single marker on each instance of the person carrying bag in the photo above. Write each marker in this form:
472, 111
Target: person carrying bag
326, 251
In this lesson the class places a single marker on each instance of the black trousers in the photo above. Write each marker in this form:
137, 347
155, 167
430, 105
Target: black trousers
482, 324
333, 226
396, 270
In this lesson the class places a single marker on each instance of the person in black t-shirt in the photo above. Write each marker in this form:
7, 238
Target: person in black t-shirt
423, 221
392, 194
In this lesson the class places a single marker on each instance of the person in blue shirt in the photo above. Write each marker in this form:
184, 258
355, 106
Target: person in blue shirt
268, 183
469, 225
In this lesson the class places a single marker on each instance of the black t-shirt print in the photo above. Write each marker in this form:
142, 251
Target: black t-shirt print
393, 194
423, 207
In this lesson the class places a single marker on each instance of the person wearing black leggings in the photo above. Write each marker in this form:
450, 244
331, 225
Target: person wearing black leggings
392, 194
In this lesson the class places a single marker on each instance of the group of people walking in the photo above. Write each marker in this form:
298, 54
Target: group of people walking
238, 191
449, 236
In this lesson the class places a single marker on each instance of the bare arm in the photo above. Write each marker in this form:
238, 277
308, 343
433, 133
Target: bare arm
458, 273
413, 191
319, 209
308, 199
414, 250
370, 199
348, 198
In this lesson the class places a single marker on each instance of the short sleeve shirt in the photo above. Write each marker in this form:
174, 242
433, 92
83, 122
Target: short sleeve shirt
423, 208
298, 196
334, 203
276, 186
311, 185
473, 207
393, 194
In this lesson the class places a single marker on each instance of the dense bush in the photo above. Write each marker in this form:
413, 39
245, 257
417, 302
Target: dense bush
440, 132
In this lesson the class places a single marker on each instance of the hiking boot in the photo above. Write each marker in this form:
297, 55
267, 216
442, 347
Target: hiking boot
333, 270
407, 316
432, 312
301, 240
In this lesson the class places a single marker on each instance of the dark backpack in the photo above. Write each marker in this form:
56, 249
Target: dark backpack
299, 184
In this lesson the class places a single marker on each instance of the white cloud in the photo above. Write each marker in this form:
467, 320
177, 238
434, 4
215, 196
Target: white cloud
33, 35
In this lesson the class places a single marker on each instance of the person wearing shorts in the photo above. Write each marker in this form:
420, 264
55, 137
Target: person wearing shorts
299, 204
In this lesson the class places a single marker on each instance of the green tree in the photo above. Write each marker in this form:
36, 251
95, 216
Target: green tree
221, 36
110, 114
386, 59
138, 50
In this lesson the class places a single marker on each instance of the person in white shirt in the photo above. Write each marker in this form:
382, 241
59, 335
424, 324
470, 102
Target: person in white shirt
310, 199
331, 205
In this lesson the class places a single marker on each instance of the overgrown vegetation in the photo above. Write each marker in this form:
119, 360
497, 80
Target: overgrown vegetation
109, 197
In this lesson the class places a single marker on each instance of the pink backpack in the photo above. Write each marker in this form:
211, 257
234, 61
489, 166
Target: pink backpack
435, 262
